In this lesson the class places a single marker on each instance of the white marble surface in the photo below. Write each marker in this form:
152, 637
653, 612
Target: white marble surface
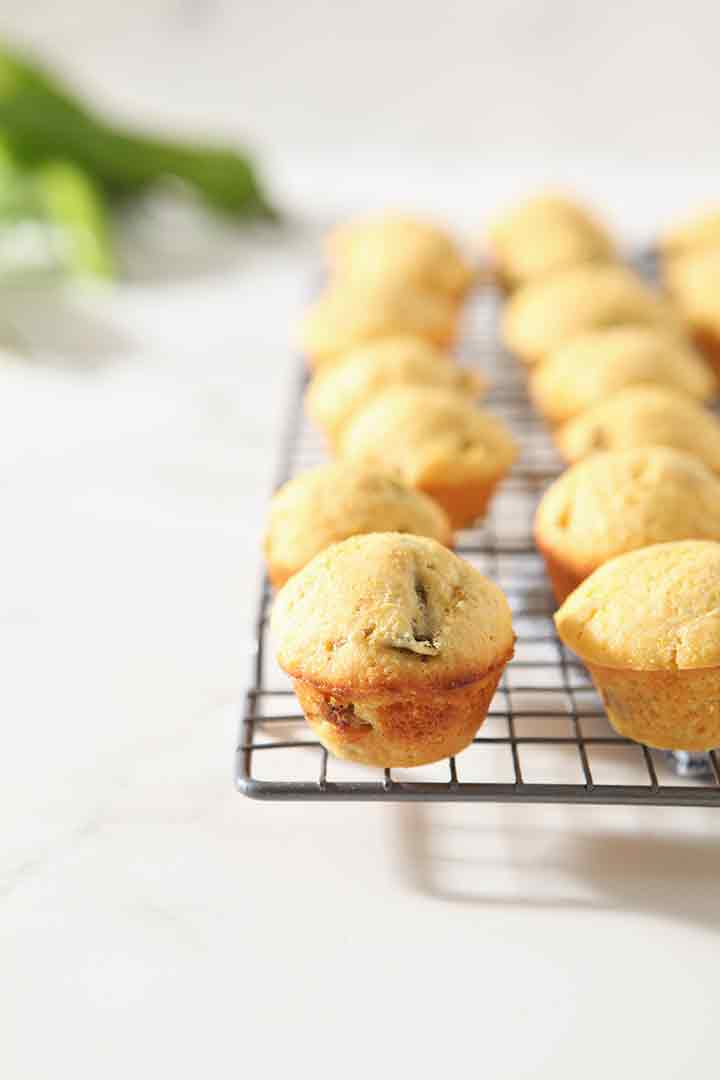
153, 922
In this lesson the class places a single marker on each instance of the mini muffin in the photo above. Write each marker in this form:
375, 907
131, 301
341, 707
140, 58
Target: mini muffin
694, 283
643, 416
701, 231
594, 365
438, 441
399, 250
547, 313
647, 626
545, 234
348, 314
337, 393
331, 502
621, 500
395, 647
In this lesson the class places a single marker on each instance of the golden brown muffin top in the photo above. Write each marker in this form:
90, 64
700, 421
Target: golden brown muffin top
694, 282
643, 416
594, 365
653, 609
321, 506
700, 231
390, 612
339, 391
430, 435
545, 234
348, 314
621, 500
400, 249
547, 313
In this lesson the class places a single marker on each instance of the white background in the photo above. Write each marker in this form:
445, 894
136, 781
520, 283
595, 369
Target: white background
153, 923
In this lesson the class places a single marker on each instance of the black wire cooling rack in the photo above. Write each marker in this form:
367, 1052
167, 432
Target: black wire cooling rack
546, 738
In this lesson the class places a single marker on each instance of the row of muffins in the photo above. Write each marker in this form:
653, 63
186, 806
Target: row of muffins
690, 256
395, 644
610, 362
632, 389
394, 406
630, 533
385, 389
383, 322
413, 452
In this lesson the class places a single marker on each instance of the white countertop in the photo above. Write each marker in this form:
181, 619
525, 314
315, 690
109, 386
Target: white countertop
152, 921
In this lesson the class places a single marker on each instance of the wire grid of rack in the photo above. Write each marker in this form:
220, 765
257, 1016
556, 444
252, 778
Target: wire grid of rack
546, 738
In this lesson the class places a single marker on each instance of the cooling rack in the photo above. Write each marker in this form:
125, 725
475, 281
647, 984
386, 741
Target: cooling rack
546, 738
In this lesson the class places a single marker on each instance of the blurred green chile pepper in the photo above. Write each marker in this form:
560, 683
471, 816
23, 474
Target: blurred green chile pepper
59, 162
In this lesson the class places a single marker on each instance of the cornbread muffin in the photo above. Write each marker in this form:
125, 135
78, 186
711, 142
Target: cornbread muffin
701, 231
399, 250
693, 281
547, 313
395, 647
348, 314
337, 393
621, 500
647, 626
331, 502
545, 234
643, 416
438, 441
594, 365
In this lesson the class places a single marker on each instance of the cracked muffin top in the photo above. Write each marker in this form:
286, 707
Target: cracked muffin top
327, 504
348, 314
596, 364
545, 314
643, 416
400, 249
430, 436
700, 231
694, 282
386, 611
656, 608
336, 394
544, 234
617, 501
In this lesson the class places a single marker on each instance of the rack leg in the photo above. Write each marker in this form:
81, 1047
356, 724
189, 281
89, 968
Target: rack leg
692, 763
